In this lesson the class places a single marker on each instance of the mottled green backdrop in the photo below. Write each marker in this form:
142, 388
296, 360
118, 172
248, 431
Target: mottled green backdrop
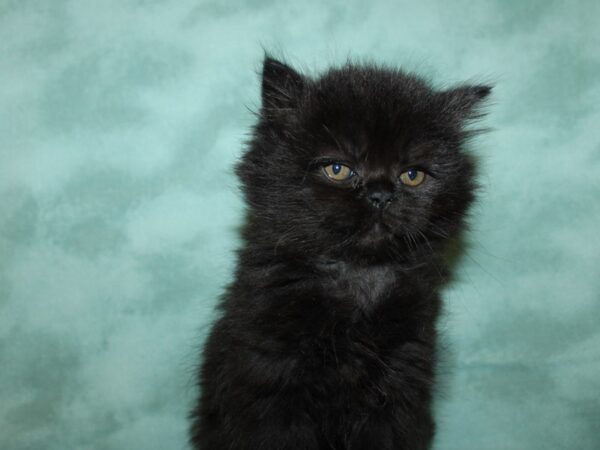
119, 124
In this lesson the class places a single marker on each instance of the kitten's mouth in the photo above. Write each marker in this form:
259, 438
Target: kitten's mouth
377, 234
382, 222
381, 227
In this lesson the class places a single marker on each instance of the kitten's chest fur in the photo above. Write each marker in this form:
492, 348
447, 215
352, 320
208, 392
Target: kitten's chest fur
359, 344
360, 285
347, 332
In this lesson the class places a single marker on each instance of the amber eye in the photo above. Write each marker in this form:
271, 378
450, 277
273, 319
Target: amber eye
338, 172
412, 177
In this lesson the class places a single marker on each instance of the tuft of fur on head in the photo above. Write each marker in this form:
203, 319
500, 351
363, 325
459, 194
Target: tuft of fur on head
379, 121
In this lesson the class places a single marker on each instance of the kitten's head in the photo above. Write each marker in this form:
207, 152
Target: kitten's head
362, 162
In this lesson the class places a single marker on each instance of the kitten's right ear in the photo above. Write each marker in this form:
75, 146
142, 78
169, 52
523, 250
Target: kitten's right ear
281, 85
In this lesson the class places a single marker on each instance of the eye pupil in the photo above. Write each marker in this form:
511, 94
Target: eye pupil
336, 168
412, 174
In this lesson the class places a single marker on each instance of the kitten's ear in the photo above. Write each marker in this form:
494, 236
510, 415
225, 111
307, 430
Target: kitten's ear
281, 85
464, 102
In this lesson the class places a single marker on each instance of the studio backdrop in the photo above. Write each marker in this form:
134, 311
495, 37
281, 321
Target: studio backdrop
120, 124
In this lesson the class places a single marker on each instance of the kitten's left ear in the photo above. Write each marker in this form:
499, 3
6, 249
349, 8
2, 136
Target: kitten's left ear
281, 85
465, 102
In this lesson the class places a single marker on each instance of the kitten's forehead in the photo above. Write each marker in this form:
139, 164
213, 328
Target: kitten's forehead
369, 112
382, 143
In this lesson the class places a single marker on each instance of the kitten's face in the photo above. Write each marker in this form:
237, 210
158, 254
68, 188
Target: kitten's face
362, 162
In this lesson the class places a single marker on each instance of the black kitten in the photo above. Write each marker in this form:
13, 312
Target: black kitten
356, 183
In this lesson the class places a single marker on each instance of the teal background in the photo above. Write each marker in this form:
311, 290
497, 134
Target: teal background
120, 121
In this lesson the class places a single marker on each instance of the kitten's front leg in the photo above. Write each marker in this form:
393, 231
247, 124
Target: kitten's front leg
275, 422
389, 431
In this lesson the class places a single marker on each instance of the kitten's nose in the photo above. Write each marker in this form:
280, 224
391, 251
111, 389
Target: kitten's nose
380, 198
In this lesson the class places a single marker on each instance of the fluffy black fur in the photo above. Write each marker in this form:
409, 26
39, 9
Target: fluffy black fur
327, 335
